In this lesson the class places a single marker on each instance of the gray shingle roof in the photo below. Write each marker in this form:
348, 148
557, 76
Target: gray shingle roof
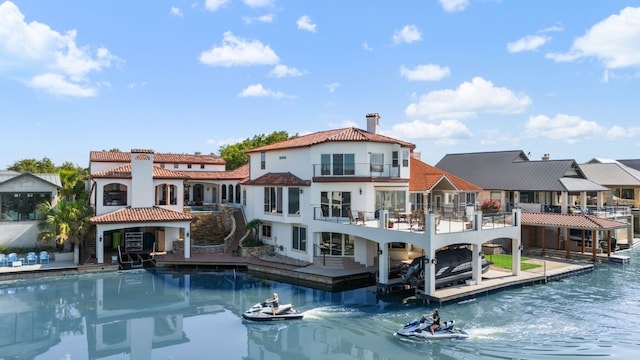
632, 163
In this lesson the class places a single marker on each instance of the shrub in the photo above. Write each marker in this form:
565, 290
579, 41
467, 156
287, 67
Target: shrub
490, 206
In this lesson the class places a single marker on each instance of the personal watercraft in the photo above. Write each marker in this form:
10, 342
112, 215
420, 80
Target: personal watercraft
263, 312
418, 329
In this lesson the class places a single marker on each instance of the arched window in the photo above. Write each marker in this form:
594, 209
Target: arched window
230, 193
224, 193
114, 194
166, 194
198, 194
238, 192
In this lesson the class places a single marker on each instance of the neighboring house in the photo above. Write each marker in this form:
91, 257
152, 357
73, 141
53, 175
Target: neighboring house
138, 205
435, 189
20, 195
624, 183
544, 186
539, 186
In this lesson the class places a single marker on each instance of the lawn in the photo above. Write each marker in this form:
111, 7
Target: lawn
504, 261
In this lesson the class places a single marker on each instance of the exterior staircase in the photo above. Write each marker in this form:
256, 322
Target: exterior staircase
241, 226
337, 262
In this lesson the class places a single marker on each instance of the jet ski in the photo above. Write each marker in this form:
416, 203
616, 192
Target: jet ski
418, 329
263, 312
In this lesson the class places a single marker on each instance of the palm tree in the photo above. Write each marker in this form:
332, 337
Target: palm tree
253, 226
67, 223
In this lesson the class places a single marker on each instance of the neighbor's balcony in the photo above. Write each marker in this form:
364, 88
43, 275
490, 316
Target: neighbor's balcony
357, 170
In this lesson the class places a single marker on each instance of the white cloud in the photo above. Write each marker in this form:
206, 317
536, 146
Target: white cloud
281, 71
454, 5
527, 43
366, 46
45, 59
333, 86
239, 52
261, 19
214, 5
407, 34
258, 3
553, 28
428, 72
446, 130
615, 41
176, 11
258, 90
571, 129
305, 23
470, 98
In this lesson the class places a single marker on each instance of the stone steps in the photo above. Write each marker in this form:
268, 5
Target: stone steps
336, 262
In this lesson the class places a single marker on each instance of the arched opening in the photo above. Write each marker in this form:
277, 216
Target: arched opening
166, 194
224, 193
114, 195
230, 193
238, 192
198, 194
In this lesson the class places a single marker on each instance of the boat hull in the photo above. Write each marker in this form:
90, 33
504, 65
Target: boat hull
263, 312
419, 330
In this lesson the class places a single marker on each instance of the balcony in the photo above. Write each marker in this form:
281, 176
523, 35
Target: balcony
361, 171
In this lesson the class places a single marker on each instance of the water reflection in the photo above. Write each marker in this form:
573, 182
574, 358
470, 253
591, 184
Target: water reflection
174, 314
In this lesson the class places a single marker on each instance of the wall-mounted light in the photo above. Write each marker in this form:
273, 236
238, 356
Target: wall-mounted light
187, 234
434, 261
207, 188
480, 253
379, 251
360, 191
520, 247
100, 239
301, 191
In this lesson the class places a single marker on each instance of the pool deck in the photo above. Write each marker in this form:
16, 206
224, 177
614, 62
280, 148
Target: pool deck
320, 277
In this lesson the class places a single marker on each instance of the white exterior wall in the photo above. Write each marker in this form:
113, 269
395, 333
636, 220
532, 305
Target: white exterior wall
100, 184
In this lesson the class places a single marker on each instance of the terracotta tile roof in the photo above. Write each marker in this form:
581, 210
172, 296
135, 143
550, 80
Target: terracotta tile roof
424, 177
279, 179
351, 134
574, 221
122, 156
140, 215
124, 172
240, 173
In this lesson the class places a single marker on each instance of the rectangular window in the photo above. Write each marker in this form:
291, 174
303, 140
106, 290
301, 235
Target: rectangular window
325, 164
273, 200
201, 166
175, 166
405, 158
188, 166
263, 160
394, 159
294, 201
337, 164
377, 162
335, 203
265, 231
391, 200
299, 238
162, 166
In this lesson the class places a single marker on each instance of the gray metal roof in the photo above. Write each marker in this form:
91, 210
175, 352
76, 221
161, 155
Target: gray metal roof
511, 170
53, 179
611, 174
632, 163
577, 184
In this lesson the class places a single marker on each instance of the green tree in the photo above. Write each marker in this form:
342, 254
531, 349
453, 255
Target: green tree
66, 223
44, 166
234, 154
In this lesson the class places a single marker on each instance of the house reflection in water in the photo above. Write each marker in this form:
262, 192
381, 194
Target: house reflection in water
115, 313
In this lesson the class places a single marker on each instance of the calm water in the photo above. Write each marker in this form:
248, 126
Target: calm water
179, 315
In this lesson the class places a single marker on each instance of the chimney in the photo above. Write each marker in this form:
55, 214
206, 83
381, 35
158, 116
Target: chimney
142, 192
373, 123
545, 157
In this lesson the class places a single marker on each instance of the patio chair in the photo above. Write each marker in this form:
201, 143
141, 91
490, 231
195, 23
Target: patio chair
11, 258
32, 258
352, 219
44, 257
361, 217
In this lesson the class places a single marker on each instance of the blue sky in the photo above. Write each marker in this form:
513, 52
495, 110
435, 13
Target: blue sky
451, 76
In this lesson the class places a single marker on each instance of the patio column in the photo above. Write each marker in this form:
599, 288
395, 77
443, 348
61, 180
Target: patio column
430, 255
99, 245
383, 264
516, 255
187, 243
476, 263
